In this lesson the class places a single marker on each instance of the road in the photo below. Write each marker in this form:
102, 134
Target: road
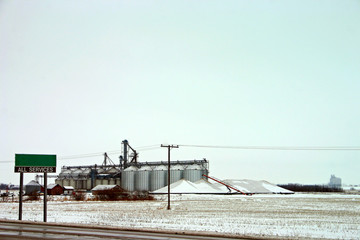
30, 231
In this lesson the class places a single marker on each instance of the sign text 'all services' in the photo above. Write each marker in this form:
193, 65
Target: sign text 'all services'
35, 163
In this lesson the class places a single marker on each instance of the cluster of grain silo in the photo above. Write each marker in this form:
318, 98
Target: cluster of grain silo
87, 177
151, 178
148, 176
130, 174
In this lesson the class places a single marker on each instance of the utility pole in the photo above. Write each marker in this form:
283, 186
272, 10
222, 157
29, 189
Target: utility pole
169, 147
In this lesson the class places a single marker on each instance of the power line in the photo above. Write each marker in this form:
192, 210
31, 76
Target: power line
81, 156
318, 148
86, 155
156, 146
149, 146
149, 149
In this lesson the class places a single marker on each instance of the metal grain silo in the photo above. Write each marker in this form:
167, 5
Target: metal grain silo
158, 177
176, 173
72, 183
75, 179
78, 184
193, 173
85, 173
88, 184
112, 171
98, 182
128, 178
32, 187
76, 174
65, 173
105, 181
142, 181
59, 181
66, 182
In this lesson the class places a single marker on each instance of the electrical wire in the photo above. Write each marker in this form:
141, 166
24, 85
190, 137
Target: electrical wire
156, 146
149, 149
6, 161
81, 156
87, 155
149, 146
324, 148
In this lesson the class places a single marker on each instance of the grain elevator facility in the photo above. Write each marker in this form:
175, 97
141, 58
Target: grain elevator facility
131, 174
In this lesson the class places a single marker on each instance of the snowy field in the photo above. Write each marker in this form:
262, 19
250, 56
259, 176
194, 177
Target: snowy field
296, 216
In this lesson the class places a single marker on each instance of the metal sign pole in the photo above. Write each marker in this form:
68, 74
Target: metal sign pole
45, 196
21, 194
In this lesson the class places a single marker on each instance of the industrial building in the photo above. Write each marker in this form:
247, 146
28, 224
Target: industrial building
131, 174
335, 182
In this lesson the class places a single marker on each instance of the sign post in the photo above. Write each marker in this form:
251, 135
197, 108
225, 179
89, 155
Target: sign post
45, 196
21, 194
34, 163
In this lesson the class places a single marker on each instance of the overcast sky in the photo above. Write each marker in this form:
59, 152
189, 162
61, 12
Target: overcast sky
78, 77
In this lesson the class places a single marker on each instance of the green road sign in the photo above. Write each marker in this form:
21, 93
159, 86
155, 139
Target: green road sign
35, 163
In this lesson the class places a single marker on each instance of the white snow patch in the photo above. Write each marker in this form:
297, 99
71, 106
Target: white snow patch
103, 187
203, 186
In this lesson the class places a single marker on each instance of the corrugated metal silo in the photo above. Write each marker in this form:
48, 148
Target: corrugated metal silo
142, 182
112, 171
85, 173
176, 173
76, 174
88, 184
97, 182
59, 181
112, 181
193, 173
84, 184
128, 178
78, 184
32, 187
105, 182
158, 177
66, 182
65, 173
72, 183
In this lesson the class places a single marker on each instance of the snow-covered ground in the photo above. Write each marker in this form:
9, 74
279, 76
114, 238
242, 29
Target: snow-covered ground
325, 216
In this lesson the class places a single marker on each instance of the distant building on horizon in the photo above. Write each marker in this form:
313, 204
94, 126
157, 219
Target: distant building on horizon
335, 182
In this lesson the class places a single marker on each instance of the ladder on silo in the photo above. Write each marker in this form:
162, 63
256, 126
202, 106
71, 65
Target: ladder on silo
226, 185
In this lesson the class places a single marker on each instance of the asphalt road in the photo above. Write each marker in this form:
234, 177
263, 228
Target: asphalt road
29, 231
